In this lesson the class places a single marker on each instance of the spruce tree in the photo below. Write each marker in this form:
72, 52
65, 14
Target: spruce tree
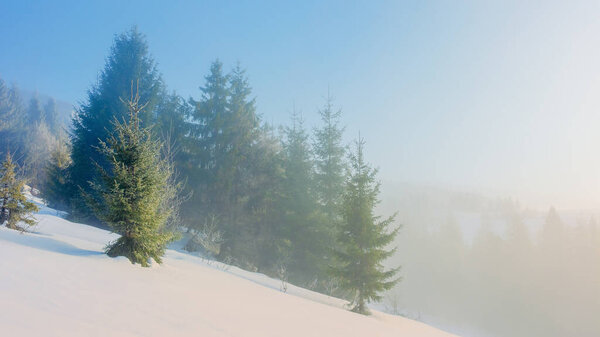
236, 174
133, 190
363, 237
223, 148
128, 62
12, 122
329, 160
51, 116
302, 221
14, 206
270, 244
35, 113
329, 169
208, 145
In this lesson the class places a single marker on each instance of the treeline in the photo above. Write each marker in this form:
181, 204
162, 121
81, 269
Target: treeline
30, 132
512, 279
289, 202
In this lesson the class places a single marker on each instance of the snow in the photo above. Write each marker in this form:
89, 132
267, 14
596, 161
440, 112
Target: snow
56, 281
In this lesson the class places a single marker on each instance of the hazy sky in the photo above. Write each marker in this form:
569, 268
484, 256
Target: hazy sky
498, 97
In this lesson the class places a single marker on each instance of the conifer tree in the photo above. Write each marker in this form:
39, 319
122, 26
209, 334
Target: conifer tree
329, 169
129, 61
302, 221
363, 237
35, 113
8, 111
266, 214
236, 174
209, 145
132, 191
57, 187
51, 116
224, 150
12, 121
329, 160
14, 206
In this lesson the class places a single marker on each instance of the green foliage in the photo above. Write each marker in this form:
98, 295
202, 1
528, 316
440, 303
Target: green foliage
329, 161
128, 62
303, 221
363, 237
14, 207
25, 134
228, 152
132, 193
330, 166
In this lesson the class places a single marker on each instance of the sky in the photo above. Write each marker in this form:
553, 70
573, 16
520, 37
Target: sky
496, 97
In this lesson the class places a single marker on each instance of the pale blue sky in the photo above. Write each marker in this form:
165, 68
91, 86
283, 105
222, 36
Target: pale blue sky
497, 97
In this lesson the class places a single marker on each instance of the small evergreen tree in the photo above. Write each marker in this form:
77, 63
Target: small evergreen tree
14, 207
132, 191
363, 237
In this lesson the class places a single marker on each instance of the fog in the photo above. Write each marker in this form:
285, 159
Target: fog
488, 266
483, 119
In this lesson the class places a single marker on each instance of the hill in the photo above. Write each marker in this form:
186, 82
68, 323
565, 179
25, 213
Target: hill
56, 281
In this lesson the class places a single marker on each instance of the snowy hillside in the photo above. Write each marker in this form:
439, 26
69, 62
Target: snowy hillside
57, 282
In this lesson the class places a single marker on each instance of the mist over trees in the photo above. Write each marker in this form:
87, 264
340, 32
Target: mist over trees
30, 132
261, 197
292, 202
295, 203
482, 267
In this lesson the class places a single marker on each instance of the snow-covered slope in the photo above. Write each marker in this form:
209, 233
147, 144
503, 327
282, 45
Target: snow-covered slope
57, 282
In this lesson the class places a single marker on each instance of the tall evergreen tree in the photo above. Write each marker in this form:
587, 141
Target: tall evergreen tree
35, 113
129, 62
268, 240
133, 191
51, 116
14, 206
329, 160
173, 128
12, 122
329, 169
209, 144
8, 110
363, 237
302, 221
